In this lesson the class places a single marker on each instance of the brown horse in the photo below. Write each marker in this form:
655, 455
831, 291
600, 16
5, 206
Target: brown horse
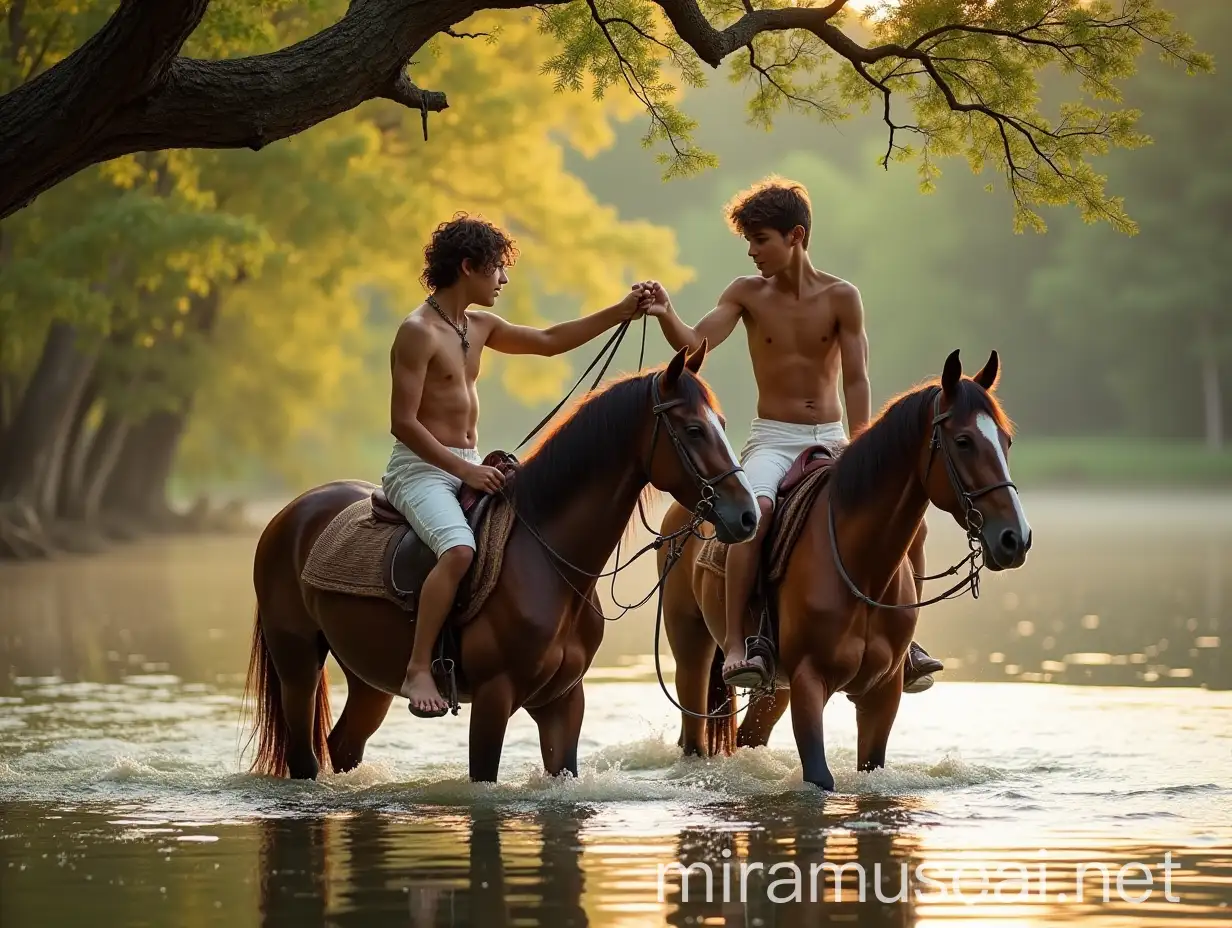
539, 629
846, 602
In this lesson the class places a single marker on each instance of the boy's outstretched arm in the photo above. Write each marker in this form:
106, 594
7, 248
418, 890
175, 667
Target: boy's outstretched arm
713, 328
510, 338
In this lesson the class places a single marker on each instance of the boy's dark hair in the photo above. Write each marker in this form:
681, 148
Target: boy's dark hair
464, 237
774, 203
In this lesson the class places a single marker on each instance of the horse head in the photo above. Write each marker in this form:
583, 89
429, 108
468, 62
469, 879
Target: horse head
966, 464
688, 454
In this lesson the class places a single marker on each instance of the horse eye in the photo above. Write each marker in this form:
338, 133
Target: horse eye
694, 431
962, 442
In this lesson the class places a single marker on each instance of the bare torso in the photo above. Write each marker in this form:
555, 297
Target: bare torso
449, 406
794, 347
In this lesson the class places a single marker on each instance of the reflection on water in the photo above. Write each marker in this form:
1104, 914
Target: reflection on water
1119, 590
122, 789
845, 860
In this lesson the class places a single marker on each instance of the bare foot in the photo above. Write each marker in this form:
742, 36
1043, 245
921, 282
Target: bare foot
740, 671
425, 699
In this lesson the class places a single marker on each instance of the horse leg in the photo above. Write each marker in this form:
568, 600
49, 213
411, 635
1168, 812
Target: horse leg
560, 728
875, 713
299, 662
809, 695
761, 718
491, 706
694, 651
365, 710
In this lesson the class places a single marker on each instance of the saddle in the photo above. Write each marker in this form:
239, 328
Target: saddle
808, 461
408, 560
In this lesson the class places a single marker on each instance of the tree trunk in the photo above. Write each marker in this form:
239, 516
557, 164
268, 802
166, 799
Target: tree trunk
166, 430
40, 426
77, 452
137, 488
10, 391
125, 90
1212, 401
104, 455
48, 494
123, 487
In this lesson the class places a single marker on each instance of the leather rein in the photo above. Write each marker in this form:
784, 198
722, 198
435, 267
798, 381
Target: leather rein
705, 485
972, 518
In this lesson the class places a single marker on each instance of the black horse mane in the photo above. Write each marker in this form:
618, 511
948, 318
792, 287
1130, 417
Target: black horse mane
597, 434
895, 436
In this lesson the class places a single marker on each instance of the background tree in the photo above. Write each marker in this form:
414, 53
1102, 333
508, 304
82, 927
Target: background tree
236, 301
1158, 309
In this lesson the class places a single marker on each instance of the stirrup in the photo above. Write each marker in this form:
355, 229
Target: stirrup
447, 670
758, 646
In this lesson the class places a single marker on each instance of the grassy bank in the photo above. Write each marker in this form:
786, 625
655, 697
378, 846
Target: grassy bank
1119, 462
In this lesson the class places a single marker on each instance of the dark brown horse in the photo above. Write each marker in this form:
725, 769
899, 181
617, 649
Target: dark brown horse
846, 603
539, 629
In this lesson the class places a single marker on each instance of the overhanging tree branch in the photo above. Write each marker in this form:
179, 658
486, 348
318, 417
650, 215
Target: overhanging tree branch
125, 90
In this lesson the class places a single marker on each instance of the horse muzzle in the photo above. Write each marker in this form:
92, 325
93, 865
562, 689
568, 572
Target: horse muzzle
1005, 546
734, 520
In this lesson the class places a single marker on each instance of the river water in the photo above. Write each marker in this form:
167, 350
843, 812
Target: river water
1083, 728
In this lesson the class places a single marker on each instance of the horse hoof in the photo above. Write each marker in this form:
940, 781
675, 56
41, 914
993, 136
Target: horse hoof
919, 684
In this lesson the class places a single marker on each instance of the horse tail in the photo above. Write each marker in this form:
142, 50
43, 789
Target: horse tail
720, 700
270, 721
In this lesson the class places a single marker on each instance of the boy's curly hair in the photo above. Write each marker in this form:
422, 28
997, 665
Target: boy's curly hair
774, 203
464, 237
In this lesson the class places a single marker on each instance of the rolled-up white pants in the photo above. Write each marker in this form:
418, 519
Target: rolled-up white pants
428, 497
772, 446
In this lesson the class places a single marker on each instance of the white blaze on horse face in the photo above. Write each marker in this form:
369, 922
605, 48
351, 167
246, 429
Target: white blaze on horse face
988, 428
735, 459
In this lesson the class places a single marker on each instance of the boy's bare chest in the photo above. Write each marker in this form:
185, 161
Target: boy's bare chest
450, 367
452, 364
807, 327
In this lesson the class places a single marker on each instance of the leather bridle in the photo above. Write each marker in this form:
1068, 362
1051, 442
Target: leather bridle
965, 497
973, 519
705, 485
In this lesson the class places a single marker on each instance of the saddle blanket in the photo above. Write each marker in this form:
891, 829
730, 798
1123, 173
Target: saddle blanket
352, 556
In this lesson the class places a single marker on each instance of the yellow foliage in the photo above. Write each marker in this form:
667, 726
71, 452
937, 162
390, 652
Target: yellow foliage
349, 206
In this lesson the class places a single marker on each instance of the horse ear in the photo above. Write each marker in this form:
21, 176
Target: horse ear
987, 377
675, 367
951, 374
694, 361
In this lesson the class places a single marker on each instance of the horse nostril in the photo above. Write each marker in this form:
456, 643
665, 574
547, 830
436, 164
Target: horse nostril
748, 520
1009, 542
